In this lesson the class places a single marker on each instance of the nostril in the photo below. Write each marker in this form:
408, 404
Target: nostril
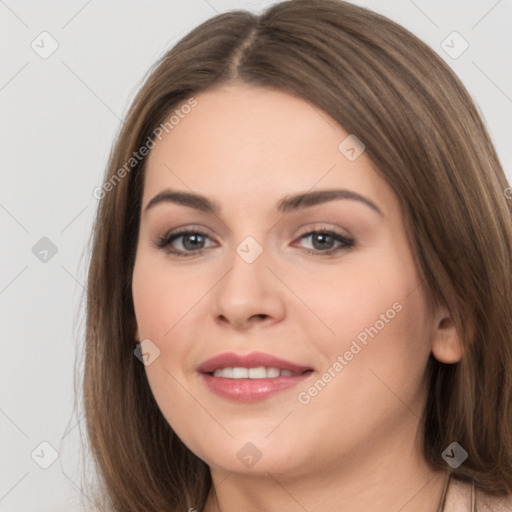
261, 316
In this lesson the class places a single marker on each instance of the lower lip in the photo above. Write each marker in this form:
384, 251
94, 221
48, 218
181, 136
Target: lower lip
251, 390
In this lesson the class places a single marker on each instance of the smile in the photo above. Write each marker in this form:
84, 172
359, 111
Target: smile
259, 372
251, 377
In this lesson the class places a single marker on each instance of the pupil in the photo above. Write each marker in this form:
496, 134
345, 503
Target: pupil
321, 237
191, 237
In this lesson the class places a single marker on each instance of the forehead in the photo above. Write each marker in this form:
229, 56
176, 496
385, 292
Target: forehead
252, 143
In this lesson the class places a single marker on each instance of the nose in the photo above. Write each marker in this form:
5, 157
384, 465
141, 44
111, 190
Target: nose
249, 294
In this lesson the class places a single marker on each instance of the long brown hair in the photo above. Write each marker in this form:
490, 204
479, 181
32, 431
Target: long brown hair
424, 136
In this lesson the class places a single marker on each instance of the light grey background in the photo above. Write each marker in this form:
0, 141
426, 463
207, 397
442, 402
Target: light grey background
59, 116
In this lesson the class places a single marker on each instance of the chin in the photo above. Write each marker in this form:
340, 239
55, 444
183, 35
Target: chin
254, 456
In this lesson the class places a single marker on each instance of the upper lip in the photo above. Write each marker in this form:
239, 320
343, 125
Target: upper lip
252, 360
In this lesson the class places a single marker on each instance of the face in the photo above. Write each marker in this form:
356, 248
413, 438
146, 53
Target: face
326, 285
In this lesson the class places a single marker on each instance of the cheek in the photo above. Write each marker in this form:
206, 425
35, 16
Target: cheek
164, 296
378, 384
349, 297
375, 309
383, 338
166, 311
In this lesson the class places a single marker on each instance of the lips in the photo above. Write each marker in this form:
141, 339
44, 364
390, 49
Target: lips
253, 360
240, 377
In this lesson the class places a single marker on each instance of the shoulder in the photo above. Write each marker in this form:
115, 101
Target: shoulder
459, 499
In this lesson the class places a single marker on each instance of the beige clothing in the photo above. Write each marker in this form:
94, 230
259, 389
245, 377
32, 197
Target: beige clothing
458, 499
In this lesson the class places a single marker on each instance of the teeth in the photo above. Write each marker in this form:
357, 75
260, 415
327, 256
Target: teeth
240, 373
273, 372
257, 373
226, 372
253, 373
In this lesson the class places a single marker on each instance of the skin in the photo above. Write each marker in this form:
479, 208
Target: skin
355, 445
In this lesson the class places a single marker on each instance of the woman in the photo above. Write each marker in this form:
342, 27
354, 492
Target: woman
300, 289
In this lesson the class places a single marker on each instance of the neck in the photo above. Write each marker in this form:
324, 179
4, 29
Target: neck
374, 481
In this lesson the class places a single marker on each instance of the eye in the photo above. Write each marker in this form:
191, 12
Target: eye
324, 242
192, 241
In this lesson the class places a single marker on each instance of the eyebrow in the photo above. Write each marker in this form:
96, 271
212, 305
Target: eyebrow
285, 205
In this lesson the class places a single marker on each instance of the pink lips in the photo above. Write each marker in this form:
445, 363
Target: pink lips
249, 390
252, 360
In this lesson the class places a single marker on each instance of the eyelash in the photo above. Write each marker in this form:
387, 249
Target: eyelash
165, 241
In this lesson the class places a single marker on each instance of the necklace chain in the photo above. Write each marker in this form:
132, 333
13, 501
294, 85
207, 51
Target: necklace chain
442, 503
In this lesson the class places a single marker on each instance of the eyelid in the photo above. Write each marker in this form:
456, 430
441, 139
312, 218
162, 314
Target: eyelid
322, 226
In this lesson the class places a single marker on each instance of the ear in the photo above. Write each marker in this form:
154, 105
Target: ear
446, 341
136, 335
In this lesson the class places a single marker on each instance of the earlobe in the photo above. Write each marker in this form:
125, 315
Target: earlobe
446, 342
137, 334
